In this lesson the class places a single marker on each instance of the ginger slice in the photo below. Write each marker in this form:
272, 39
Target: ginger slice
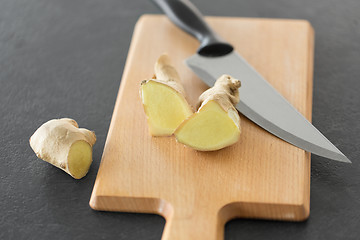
63, 144
163, 99
217, 123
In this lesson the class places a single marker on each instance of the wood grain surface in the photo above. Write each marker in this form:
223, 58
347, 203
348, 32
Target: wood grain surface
198, 192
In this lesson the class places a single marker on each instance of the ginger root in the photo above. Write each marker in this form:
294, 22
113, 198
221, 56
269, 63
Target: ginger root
163, 99
217, 123
63, 144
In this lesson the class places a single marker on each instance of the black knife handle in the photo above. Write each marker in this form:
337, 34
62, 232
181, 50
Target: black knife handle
187, 17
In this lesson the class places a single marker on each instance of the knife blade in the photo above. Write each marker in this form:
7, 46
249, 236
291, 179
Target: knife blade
259, 101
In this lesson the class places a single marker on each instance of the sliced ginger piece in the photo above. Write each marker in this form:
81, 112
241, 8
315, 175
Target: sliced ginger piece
63, 144
164, 100
217, 123
211, 128
165, 108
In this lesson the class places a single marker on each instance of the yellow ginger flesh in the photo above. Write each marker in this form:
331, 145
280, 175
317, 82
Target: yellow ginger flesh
165, 108
211, 128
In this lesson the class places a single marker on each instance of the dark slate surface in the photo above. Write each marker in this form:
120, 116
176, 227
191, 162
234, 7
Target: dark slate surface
65, 58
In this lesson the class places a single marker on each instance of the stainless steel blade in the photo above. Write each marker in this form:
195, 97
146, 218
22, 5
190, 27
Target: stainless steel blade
262, 104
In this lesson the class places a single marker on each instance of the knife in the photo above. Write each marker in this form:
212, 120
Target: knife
259, 101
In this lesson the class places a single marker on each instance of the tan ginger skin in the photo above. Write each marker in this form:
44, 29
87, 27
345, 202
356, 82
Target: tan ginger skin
225, 92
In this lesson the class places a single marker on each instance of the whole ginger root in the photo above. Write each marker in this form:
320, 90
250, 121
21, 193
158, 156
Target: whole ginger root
63, 144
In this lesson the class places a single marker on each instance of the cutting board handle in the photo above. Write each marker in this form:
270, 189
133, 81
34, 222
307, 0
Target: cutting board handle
187, 17
197, 224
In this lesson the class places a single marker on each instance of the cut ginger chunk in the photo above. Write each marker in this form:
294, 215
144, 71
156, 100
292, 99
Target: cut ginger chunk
163, 99
209, 129
63, 144
164, 107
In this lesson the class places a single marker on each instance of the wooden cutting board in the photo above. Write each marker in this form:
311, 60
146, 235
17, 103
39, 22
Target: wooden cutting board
198, 192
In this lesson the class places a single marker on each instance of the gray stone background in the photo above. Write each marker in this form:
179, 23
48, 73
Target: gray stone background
65, 58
